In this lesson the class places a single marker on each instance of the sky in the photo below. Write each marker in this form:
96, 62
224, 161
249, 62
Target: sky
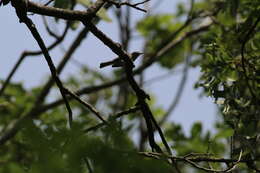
15, 38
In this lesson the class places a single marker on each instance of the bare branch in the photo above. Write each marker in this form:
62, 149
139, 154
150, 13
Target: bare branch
118, 115
22, 15
65, 13
119, 4
50, 32
31, 53
90, 107
13, 128
128, 67
178, 93
152, 59
193, 160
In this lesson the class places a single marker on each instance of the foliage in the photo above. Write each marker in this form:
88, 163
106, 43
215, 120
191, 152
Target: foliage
229, 65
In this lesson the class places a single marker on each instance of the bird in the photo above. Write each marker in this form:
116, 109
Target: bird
118, 62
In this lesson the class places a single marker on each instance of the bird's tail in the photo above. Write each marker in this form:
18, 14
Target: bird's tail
105, 64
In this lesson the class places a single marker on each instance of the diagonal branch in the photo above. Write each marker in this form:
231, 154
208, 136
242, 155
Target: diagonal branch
179, 92
90, 107
16, 125
31, 53
141, 95
170, 45
152, 58
22, 15
118, 115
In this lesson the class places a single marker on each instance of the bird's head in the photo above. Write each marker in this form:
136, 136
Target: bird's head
135, 55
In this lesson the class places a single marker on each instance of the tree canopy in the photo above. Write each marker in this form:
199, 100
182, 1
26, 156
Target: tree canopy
91, 123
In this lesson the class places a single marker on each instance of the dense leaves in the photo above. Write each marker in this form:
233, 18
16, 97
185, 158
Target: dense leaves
160, 29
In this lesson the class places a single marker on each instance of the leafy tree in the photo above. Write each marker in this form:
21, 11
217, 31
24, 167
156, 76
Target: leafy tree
220, 37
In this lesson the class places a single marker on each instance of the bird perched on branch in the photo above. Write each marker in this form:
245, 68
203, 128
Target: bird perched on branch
118, 62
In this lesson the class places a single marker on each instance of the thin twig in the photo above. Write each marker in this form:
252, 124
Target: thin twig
31, 53
119, 4
10, 75
170, 45
89, 106
86, 160
65, 59
152, 59
179, 93
128, 67
84, 90
52, 67
116, 116
36, 110
193, 161
21, 11
50, 32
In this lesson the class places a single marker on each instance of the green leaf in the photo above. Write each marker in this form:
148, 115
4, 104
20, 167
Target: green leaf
74, 25
102, 13
223, 134
85, 3
196, 130
62, 4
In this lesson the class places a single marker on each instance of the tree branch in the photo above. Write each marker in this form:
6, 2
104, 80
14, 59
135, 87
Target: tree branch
31, 53
118, 115
14, 127
119, 4
152, 58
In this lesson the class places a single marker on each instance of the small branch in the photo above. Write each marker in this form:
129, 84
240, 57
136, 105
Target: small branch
118, 115
85, 90
128, 67
191, 9
48, 2
13, 130
65, 13
119, 4
86, 160
36, 110
194, 160
52, 67
90, 107
65, 59
152, 58
161, 134
21, 11
31, 53
179, 92
67, 56
50, 32
14, 69
170, 45
161, 77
